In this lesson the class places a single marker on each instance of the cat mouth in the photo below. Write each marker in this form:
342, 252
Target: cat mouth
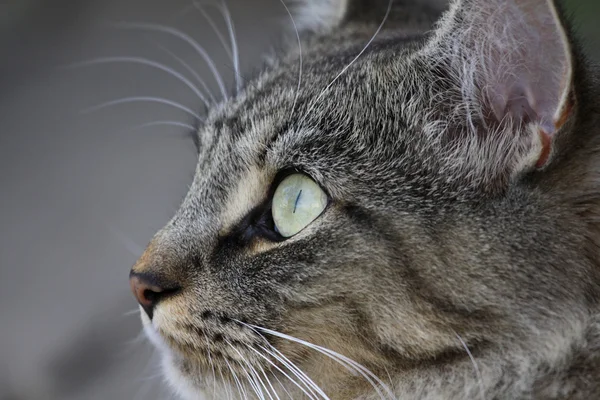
223, 352
209, 355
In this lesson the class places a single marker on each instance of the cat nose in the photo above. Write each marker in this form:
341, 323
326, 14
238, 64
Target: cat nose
149, 291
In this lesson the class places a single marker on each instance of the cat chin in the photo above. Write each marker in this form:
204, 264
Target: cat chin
186, 387
182, 385
192, 387
178, 382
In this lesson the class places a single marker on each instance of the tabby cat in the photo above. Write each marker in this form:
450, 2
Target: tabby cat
404, 205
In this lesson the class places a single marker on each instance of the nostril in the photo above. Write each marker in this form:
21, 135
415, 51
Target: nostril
148, 293
150, 296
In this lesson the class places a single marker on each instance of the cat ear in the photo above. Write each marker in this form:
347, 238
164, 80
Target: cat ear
319, 15
513, 62
322, 16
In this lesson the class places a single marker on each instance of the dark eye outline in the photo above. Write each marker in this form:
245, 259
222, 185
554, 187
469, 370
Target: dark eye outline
259, 222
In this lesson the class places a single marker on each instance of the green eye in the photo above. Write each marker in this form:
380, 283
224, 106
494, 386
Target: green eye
297, 202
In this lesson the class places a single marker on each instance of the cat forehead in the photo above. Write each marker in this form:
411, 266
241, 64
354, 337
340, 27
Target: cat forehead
327, 96
343, 114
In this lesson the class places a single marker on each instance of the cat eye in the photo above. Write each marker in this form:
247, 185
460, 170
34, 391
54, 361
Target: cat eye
298, 201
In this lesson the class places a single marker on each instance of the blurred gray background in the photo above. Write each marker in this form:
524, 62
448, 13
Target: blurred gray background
81, 193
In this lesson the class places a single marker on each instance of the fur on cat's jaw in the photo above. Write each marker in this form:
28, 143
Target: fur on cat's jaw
444, 229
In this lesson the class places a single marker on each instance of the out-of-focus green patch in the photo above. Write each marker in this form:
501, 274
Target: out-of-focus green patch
586, 15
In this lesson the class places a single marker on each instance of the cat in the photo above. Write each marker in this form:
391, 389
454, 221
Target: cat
405, 204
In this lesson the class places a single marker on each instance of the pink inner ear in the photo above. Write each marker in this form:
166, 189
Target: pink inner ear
528, 103
521, 104
518, 53
514, 101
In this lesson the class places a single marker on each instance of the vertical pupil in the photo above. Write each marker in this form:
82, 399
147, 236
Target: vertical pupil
297, 200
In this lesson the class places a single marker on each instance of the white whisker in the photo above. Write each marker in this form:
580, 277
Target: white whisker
143, 61
257, 376
131, 246
257, 379
212, 365
300, 62
151, 377
252, 382
341, 359
238, 383
135, 311
282, 372
165, 123
295, 370
138, 339
138, 99
191, 71
226, 384
186, 38
280, 384
234, 46
214, 27
343, 71
309, 383
475, 367
269, 382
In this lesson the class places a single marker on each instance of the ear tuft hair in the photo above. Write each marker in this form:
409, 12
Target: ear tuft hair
511, 64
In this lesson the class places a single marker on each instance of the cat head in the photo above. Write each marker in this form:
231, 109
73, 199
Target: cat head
389, 193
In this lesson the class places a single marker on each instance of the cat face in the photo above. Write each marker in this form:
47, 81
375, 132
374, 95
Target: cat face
392, 197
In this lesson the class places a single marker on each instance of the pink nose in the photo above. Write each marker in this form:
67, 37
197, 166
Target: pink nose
147, 292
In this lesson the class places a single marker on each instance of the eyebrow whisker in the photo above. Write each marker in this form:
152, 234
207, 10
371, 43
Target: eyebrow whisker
186, 38
137, 99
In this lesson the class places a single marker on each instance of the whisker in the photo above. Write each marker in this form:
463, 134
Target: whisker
343, 360
237, 381
257, 390
253, 384
151, 377
300, 63
269, 382
137, 340
475, 366
258, 378
234, 46
226, 385
309, 383
191, 71
131, 246
214, 27
135, 311
166, 123
138, 99
186, 38
282, 386
143, 61
343, 71
295, 370
282, 372
212, 365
